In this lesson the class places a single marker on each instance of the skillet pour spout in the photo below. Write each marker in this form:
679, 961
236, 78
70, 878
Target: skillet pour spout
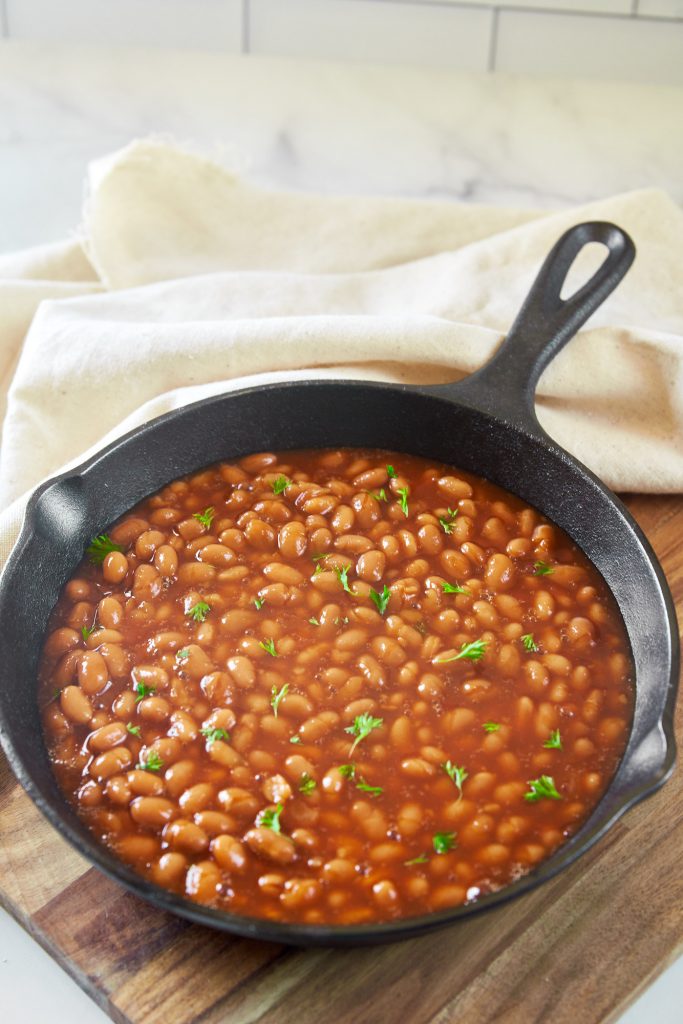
485, 424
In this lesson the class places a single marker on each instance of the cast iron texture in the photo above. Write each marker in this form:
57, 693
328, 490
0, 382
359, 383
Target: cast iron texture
485, 424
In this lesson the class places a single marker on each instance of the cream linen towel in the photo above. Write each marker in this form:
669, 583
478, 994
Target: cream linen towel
188, 281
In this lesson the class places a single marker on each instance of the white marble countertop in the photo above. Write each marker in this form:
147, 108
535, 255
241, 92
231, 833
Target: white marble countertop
516, 141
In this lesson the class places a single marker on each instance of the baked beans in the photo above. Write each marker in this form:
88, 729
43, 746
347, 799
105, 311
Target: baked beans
334, 686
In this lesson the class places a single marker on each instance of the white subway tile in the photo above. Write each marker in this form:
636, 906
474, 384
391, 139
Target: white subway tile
190, 24
660, 9
374, 31
578, 6
630, 49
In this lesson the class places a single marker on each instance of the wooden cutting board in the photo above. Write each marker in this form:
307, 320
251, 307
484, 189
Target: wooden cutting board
576, 951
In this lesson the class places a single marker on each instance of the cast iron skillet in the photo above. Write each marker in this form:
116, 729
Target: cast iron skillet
485, 424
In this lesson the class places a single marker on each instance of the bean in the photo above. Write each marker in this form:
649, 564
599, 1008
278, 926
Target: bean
185, 836
229, 853
154, 709
454, 488
166, 561
90, 794
144, 783
239, 802
448, 896
111, 762
60, 641
223, 754
338, 871
152, 811
93, 674
410, 819
107, 737
139, 850
75, 705
270, 845
385, 894
203, 881
315, 728
169, 871
292, 540
499, 573
146, 583
77, 590
114, 567
417, 768
214, 823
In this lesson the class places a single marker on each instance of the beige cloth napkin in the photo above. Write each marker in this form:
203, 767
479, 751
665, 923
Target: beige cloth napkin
186, 281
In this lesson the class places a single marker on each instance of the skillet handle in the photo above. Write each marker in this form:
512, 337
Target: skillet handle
546, 322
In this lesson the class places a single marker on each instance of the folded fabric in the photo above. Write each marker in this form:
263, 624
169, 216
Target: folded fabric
187, 281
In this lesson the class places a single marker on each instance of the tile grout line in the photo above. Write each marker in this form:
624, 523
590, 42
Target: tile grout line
246, 40
493, 40
531, 8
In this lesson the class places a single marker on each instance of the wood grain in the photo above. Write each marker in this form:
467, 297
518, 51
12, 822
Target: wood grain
579, 949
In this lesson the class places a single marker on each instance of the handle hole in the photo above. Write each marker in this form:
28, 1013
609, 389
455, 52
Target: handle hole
585, 265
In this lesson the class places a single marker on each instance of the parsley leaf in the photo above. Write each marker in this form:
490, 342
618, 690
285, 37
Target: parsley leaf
391, 472
380, 496
199, 611
365, 787
313, 621
554, 742
277, 696
183, 654
270, 818
529, 642
269, 646
87, 630
295, 739
491, 726
307, 784
143, 691
453, 588
422, 859
347, 770
343, 577
101, 546
280, 484
444, 841
258, 603
381, 600
206, 517
403, 500
543, 569
215, 734
134, 730
362, 727
542, 788
153, 763
448, 520
455, 774
473, 652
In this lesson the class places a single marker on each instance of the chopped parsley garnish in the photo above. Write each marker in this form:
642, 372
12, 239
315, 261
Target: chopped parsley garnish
455, 774
270, 818
473, 652
443, 841
199, 611
529, 642
448, 520
215, 734
380, 496
87, 630
365, 787
153, 762
279, 484
381, 600
543, 569
341, 622
277, 696
307, 784
554, 741
362, 727
206, 517
542, 788
491, 726
422, 859
313, 621
101, 546
391, 472
143, 691
453, 588
183, 654
134, 730
343, 577
258, 603
295, 739
347, 770
269, 646
403, 500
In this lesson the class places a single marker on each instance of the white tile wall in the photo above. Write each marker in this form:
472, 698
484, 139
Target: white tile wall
597, 47
202, 24
372, 30
636, 40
